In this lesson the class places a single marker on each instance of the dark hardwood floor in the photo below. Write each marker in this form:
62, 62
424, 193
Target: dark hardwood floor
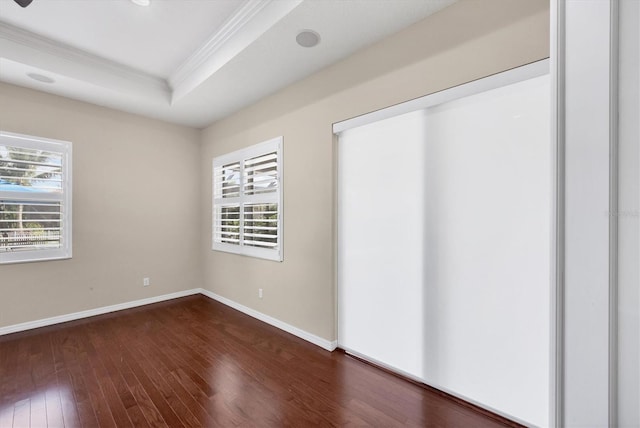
196, 362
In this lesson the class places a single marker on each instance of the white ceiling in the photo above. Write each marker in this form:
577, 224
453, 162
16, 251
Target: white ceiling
187, 61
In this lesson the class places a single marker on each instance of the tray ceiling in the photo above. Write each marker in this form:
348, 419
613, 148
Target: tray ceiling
186, 61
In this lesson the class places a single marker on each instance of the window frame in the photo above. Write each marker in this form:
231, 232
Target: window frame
276, 197
64, 197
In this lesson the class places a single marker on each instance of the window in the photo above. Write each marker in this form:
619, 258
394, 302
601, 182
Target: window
247, 201
35, 199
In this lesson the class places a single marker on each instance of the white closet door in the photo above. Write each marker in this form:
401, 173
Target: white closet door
381, 239
488, 248
444, 248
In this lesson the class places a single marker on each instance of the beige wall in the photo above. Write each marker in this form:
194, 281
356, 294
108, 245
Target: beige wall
135, 199
467, 41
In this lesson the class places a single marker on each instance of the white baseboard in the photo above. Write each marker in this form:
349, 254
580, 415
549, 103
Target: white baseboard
323, 343
92, 312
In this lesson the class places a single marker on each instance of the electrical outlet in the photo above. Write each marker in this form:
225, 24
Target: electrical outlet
260, 293
146, 282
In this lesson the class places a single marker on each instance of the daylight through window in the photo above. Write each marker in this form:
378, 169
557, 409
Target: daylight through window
247, 201
35, 198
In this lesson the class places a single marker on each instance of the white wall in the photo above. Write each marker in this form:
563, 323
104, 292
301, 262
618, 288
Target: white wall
586, 306
444, 251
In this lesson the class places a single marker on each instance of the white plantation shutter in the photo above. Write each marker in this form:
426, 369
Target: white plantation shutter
260, 225
228, 226
17, 160
35, 198
247, 201
261, 174
227, 180
42, 225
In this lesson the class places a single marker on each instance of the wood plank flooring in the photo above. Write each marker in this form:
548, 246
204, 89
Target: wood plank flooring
195, 362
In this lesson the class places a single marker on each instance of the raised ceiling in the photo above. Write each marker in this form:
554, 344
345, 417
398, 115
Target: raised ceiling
187, 61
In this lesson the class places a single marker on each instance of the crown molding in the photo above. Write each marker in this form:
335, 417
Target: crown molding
248, 23
75, 56
232, 26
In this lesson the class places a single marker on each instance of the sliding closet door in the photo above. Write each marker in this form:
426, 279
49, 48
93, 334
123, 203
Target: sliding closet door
444, 249
381, 239
488, 277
